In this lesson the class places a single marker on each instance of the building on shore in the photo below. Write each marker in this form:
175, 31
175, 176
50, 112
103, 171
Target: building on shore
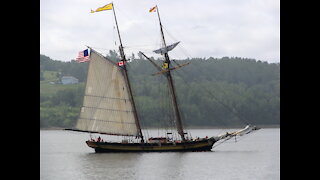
69, 80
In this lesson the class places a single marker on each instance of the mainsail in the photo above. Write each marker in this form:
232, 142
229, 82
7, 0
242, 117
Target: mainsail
107, 108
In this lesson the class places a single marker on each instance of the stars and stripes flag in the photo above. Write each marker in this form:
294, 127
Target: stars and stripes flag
83, 56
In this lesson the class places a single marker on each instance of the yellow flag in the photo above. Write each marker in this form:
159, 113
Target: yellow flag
103, 8
153, 9
165, 65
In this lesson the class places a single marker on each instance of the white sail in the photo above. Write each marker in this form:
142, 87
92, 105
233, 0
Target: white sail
226, 136
165, 50
106, 106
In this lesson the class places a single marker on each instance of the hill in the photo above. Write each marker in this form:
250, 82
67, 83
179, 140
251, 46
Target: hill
211, 92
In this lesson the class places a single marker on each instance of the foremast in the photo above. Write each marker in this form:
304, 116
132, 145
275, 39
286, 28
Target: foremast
167, 66
124, 60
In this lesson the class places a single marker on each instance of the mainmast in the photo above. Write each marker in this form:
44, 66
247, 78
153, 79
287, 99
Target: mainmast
171, 85
123, 58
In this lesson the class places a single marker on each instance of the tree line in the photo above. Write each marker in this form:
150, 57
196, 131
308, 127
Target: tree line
226, 91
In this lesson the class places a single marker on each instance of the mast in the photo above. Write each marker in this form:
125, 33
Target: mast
171, 86
123, 58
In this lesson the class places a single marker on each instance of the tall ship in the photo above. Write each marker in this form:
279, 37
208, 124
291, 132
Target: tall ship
109, 106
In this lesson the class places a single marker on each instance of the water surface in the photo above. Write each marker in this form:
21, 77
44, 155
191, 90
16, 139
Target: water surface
64, 155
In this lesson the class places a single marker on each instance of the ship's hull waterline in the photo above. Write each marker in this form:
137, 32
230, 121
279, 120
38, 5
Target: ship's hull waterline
104, 147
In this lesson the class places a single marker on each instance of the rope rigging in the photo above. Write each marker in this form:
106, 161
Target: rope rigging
232, 110
237, 138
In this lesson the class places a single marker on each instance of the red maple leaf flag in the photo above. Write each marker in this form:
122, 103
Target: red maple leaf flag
121, 63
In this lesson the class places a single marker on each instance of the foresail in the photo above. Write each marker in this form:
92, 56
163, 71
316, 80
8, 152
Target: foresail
106, 106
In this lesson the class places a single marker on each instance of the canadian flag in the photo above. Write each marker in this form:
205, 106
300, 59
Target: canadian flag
121, 63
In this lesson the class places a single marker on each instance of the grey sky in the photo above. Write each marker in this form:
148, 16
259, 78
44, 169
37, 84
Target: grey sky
206, 28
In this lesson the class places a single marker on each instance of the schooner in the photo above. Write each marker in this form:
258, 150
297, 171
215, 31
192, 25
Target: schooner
109, 106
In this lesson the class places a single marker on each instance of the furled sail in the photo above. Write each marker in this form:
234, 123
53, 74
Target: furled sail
165, 50
106, 106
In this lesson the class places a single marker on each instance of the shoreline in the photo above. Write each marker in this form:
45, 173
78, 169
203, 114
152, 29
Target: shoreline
191, 127
52, 128
226, 127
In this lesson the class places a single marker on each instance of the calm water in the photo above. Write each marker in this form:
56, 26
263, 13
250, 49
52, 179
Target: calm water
64, 155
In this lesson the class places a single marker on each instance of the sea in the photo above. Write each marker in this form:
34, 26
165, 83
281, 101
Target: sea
256, 156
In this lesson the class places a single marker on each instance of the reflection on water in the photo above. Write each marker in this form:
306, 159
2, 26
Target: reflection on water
94, 165
130, 165
64, 155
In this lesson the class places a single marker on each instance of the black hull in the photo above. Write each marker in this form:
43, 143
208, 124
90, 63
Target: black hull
101, 150
191, 146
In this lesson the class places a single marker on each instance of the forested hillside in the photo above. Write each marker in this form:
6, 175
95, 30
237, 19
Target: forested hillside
211, 92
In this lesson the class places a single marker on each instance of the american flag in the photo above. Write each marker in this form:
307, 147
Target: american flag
83, 56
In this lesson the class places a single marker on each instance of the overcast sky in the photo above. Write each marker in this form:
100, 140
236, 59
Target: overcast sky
206, 28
